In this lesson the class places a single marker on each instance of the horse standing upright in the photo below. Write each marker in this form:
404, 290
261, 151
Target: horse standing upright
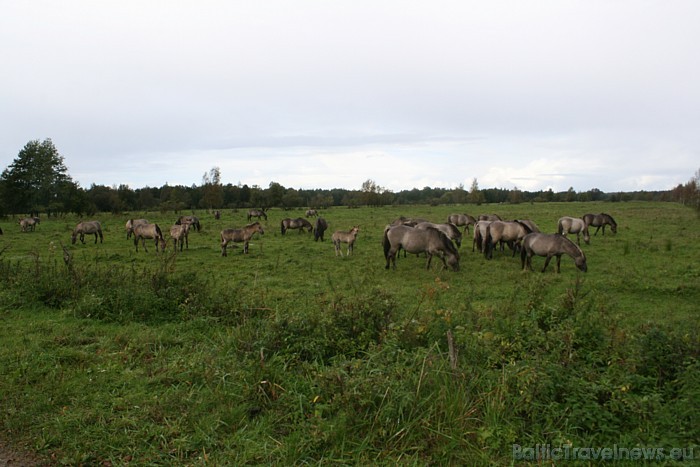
320, 228
574, 225
341, 236
298, 223
311, 213
550, 245
600, 220
180, 234
461, 220
240, 235
87, 228
149, 231
429, 241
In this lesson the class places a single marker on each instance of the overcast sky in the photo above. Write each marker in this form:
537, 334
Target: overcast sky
327, 94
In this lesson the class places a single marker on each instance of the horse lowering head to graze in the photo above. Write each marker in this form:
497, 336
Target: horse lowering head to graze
449, 229
311, 213
192, 220
574, 225
259, 213
409, 221
341, 236
240, 235
28, 224
511, 232
490, 217
600, 220
550, 245
151, 232
429, 241
130, 226
461, 220
320, 228
86, 228
530, 224
298, 223
179, 234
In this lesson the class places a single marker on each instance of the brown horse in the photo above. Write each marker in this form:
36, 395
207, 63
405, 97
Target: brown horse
550, 245
341, 236
192, 220
130, 226
259, 213
511, 232
461, 220
448, 229
240, 235
151, 232
320, 228
600, 220
180, 234
28, 224
298, 223
86, 228
429, 241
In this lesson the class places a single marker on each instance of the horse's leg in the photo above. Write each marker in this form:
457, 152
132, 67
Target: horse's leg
546, 263
245, 247
223, 247
430, 258
558, 263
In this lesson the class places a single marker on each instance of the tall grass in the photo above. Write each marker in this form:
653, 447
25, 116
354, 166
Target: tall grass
290, 355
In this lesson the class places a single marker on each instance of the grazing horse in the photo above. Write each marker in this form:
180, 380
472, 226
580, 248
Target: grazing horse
28, 224
341, 236
461, 220
574, 225
409, 221
511, 232
311, 213
180, 234
150, 231
86, 227
451, 230
240, 235
259, 213
550, 245
130, 226
298, 223
429, 241
320, 228
600, 220
490, 217
193, 221
531, 224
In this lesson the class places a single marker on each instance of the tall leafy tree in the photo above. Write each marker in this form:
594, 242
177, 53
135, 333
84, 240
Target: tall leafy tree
37, 180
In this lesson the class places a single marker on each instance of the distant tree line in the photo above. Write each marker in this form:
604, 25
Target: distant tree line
37, 181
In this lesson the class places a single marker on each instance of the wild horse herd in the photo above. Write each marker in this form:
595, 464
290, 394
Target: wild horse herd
412, 235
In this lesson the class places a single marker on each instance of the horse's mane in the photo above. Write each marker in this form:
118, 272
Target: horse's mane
525, 226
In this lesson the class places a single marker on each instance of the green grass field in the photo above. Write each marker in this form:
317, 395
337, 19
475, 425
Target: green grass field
291, 355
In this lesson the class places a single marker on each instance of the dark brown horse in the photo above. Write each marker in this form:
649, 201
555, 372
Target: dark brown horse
600, 220
549, 246
298, 223
430, 241
320, 228
240, 235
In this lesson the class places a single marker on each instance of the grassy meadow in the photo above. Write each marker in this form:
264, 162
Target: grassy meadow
291, 355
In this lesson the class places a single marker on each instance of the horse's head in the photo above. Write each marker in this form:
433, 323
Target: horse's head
74, 236
580, 262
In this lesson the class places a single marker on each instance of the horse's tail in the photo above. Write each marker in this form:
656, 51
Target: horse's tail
386, 243
560, 227
486, 245
159, 232
282, 227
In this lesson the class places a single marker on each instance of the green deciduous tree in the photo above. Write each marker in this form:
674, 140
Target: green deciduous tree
37, 181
